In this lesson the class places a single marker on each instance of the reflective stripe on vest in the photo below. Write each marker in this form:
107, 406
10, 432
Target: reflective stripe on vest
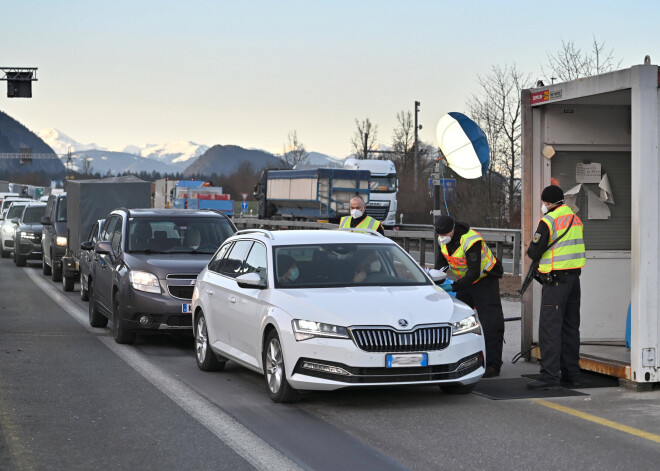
367, 223
569, 253
457, 260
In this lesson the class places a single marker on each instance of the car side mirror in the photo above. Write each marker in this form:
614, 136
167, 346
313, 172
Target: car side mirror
45, 220
438, 276
15, 221
87, 245
103, 247
250, 280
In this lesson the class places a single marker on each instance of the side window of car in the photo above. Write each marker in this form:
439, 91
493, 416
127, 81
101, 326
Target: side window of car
116, 236
233, 265
49, 206
108, 228
216, 263
256, 261
93, 233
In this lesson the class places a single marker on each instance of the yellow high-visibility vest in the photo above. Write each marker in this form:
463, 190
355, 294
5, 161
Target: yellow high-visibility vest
458, 262
569, 253
367, 223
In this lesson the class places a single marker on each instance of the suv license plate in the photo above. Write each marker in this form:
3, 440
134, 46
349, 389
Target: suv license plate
398, 360
186, 308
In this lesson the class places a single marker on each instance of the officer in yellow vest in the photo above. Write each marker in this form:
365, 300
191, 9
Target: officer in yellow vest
359, 218
559, 271
469, 258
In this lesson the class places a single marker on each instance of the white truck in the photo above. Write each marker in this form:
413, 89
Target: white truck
383, 186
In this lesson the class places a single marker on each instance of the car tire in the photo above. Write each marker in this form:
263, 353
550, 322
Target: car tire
45, 268
56, 273
18, 259
205, 356
457, 388
96, 319
121, 335
5, 254
84, 294
277, 385
68, 283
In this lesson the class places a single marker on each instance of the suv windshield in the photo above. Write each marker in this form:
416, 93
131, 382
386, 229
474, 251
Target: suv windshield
177, 234
32, 214
15, 211
334, 265
382, 184
61, 210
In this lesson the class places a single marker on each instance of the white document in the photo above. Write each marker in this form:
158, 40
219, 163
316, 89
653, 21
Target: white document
606, 190
596, 208
587, 173
570, 198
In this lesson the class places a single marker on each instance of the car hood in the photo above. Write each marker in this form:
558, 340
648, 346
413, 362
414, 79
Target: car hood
162, 265
373, 306
37, 228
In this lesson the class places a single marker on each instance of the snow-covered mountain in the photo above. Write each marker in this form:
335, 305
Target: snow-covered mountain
104, 161
318, 159
179, 154
61, 143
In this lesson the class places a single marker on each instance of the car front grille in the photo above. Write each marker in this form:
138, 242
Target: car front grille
378, 212
390, 340
181, 292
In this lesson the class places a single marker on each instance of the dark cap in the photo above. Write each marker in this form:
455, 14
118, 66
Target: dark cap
444, 224
552, 194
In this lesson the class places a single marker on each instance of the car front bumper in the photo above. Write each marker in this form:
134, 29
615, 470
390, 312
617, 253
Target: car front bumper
30, 248
159, 312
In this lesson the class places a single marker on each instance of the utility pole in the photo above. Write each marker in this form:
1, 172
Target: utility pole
366, 144
415, 148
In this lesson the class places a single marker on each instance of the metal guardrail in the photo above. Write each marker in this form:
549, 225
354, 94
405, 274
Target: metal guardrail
409, 236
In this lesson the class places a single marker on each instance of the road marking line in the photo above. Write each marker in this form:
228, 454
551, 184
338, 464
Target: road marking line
599, 420
248, 445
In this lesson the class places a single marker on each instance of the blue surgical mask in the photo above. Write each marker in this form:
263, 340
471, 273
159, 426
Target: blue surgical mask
294, 273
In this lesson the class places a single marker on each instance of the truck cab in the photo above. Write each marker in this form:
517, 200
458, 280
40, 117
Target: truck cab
383, 188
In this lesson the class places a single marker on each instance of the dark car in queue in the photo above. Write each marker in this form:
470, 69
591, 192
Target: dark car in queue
27, 238
8, 226
145, 267
87, 255
54, 238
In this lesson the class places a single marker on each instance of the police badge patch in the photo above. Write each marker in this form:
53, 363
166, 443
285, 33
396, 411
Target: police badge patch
537, 237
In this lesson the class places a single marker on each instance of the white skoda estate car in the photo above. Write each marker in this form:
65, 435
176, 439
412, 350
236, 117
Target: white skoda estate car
322, 310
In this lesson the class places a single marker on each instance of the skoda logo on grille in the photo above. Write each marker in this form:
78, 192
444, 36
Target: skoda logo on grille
192, 283
403, 323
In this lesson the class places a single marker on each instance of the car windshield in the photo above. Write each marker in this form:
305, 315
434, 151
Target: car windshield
177, 234
15, 211
32, 214
385, 184
336, 265
61, 210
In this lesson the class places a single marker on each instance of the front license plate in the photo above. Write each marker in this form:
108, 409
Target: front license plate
398, 360
186, 308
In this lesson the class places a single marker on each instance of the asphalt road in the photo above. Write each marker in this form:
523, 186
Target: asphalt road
70, 398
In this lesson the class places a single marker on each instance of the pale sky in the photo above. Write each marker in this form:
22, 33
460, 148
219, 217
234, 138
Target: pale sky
248, 72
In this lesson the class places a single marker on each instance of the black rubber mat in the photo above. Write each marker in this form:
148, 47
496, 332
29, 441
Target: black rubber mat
516, 388
589, 380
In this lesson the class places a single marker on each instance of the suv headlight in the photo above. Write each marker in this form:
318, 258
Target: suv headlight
305, 330
61, 241
28, 235
7, 229
144, 281
468, 325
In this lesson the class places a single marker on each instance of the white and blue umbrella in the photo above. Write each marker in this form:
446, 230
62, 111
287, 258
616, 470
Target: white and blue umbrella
464, 145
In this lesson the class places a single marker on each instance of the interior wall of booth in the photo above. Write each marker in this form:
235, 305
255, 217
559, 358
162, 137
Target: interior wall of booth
591, 134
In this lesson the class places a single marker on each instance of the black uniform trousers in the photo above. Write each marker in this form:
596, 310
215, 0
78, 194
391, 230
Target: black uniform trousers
559, 329
484, 297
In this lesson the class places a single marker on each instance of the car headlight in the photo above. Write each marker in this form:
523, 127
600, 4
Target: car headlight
8, 229
144, 281
27, 235
468, 325
305, 330
61, 241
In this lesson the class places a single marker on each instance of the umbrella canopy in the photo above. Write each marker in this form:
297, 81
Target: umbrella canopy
464, 145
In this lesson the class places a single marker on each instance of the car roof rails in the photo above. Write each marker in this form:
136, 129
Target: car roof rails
257, 231
128, 211
361, 230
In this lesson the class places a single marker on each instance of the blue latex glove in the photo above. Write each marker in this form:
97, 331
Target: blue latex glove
447, 286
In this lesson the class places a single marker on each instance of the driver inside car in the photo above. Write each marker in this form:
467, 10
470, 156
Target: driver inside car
369, 264
193, 238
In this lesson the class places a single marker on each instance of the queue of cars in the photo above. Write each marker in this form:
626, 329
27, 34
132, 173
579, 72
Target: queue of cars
309, 310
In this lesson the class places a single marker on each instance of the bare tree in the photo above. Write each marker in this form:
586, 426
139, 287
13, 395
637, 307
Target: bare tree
294, 151
87, 168
571, 62
364, 139
403, 140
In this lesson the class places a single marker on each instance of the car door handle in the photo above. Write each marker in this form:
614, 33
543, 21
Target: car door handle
210, 292
232, 299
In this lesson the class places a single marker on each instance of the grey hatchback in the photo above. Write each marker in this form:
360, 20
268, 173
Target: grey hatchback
144, 268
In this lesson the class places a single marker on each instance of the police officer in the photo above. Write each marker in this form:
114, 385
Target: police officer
559, 271
359, 218
467, 254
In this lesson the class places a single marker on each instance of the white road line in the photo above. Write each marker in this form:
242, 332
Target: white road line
252, 448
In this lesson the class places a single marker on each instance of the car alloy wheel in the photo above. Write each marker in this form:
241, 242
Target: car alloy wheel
96, 319
206, 359
279, 388
121, 335
45, 268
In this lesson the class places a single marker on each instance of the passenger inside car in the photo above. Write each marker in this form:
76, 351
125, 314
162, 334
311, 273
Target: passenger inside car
287, 270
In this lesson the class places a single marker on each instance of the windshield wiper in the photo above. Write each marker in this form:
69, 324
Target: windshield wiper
146, 251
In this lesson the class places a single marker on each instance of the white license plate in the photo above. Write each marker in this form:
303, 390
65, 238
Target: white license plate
186, 308
399, 360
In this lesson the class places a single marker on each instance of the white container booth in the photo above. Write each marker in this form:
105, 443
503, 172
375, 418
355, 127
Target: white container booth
597, 138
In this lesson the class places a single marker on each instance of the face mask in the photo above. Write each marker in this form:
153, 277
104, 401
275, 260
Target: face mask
356, 213
375, 266
544, 208
293, 274
444, 240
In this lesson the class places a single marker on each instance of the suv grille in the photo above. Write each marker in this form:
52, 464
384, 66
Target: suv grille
181, 292
390, 340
